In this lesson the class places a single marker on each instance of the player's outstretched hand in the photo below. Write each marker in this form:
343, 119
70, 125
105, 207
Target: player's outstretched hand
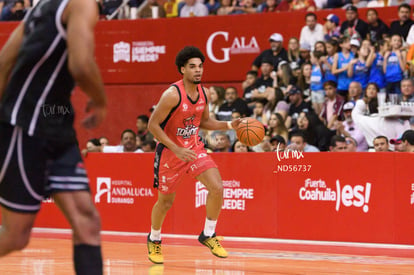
185, 154
235, 123
96, 116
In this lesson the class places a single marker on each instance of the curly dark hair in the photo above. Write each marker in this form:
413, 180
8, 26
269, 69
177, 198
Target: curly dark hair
186, 54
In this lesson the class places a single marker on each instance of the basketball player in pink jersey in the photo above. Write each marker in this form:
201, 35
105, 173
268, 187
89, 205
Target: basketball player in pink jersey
175, 122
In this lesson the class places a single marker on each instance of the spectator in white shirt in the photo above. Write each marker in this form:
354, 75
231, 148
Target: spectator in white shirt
193, 8
374, 125
312, 32
128, 144
348, 128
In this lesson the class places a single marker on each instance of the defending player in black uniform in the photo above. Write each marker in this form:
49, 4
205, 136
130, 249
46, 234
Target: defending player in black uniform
46, 54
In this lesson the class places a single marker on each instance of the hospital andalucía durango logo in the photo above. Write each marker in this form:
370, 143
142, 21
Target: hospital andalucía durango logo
343, 195
119, 191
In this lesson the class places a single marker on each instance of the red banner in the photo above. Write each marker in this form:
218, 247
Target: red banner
354, 197
143, 51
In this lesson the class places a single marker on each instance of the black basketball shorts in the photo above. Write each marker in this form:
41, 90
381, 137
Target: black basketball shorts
32, 168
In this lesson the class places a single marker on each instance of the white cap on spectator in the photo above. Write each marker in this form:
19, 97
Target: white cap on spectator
305, 46
355, 42
349, 106
281, 63
277, 37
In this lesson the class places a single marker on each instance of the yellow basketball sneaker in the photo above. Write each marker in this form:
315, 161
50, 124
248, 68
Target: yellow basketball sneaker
214, 244
154, 251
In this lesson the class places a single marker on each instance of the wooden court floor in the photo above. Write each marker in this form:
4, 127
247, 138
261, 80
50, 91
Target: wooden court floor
51, 253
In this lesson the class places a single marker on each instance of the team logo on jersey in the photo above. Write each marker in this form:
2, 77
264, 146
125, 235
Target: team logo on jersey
189, 128
185, 107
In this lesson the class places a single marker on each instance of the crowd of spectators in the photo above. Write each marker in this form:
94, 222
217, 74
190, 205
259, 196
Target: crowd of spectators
186, 8
322, 93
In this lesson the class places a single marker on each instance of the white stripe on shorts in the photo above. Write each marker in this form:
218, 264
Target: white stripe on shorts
20, 206
67, 186
9, 154
68, 179
21, 167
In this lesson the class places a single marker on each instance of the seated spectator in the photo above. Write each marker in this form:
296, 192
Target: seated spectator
316, 132
381, 144
312, 32
276, 53
212, 6
278, 143
347, 128
304, 81
297, 106
298, 142
264, 90
148, 146
14, 11
259, 113
284, 77
377, 29
331, 29
372, 126
394, 65
239, 147
248, 85
407, 141
142, 128
249, 6
359, 3
376, 4
276, 126
332, 109
351, 144
193, 8
407, 90
398, 147
402, 26
225, 8
371, 97
302, 5
110, 6
146, 11
232, 103
268, 6
103, 141
293, 52
338, 144
222, 142
171, 8
304, 53
354, 91
128, 144
353, 25
90, 146
216, 99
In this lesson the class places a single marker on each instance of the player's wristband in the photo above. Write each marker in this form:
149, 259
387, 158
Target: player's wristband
229, 126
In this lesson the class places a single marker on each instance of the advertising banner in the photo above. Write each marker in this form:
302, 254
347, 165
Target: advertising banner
353, 197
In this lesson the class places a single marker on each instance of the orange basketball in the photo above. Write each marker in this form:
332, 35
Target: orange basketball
250, 131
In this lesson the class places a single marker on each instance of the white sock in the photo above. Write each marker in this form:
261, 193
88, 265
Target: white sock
155, 235
209, 228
